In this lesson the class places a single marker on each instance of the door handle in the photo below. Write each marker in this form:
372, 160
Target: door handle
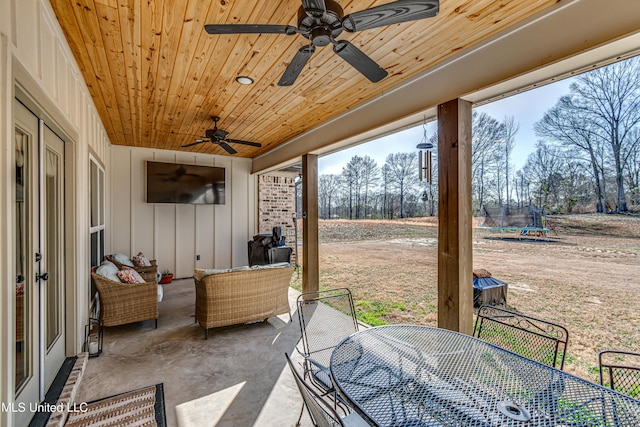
43, 276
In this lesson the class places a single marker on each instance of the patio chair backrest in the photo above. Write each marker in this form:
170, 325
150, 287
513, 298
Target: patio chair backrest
536, 339
321, 411
326, 318
620, 371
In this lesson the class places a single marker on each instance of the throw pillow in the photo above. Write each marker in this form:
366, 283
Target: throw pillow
141, 261
123, 259
129, 275
108, 270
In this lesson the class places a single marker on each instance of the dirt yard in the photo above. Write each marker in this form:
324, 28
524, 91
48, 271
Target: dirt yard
587, 278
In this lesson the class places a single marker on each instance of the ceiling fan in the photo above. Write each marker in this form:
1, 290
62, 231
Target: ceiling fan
219, 136
321, 21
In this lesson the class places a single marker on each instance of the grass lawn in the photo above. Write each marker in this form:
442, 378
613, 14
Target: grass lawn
587, 278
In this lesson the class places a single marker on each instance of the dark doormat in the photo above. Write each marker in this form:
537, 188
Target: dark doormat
52, 395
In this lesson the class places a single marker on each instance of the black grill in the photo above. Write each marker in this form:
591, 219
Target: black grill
269, 248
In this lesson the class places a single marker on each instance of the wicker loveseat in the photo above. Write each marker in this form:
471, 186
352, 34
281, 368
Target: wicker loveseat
122, 303
234, 297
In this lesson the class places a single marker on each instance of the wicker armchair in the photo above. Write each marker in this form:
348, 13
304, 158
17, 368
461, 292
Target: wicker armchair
122, 303
149, 274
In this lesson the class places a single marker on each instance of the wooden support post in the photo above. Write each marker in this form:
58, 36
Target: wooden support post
310, 258
455, 244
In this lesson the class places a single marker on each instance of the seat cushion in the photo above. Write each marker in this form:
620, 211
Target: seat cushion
108, 270
202, 272
355, 420
123, 259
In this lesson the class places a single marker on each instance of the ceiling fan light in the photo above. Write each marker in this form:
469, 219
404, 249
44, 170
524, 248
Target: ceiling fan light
244, 80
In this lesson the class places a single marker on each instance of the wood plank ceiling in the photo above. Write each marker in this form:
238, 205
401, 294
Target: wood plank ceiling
157, 77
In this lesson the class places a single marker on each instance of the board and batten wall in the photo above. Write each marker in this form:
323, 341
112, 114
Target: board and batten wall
38, 67
174, 234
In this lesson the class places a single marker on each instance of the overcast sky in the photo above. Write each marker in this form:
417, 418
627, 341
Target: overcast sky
527, 108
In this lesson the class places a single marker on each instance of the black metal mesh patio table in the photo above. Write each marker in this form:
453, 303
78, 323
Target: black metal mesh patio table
407, 375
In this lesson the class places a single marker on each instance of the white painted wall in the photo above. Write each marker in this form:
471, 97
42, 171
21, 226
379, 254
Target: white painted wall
174, 234
35, 58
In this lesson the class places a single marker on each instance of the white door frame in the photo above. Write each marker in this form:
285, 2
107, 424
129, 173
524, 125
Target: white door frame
30, 93
26, 90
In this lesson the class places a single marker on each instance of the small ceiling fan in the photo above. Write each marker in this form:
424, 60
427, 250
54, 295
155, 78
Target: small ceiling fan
321, 21
219, 136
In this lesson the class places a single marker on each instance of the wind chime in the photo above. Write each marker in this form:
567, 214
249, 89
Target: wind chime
425, 163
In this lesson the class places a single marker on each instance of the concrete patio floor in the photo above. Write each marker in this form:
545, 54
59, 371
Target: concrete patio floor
238, 377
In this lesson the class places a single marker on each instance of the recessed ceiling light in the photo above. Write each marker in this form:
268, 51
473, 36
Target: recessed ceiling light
244, 80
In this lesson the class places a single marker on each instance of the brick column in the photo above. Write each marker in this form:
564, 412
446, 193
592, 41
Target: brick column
277, 204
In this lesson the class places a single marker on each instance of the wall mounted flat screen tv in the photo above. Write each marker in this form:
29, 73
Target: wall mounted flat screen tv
181, 183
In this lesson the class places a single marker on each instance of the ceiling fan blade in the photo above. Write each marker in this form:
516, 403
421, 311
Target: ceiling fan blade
226, 147
238, 141
250, 29
359, 60
296, 65
199, 141
314, 8
390, 13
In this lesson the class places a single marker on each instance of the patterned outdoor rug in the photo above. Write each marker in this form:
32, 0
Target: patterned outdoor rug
143, 407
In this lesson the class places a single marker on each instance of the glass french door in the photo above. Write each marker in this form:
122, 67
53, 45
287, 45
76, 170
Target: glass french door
52, 242
39, 269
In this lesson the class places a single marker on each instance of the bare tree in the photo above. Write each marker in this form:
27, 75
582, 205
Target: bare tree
359, 176
352, 180
523, 189
328, 186
610, 98
575, 182
633, 173
385, 172
544, 170
402, 169
569, 125
510, 129
486, 132
370, 178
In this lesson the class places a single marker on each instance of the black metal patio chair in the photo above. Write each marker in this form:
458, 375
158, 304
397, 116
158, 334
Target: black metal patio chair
326, 318
322, 412
528, 336
620, 371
